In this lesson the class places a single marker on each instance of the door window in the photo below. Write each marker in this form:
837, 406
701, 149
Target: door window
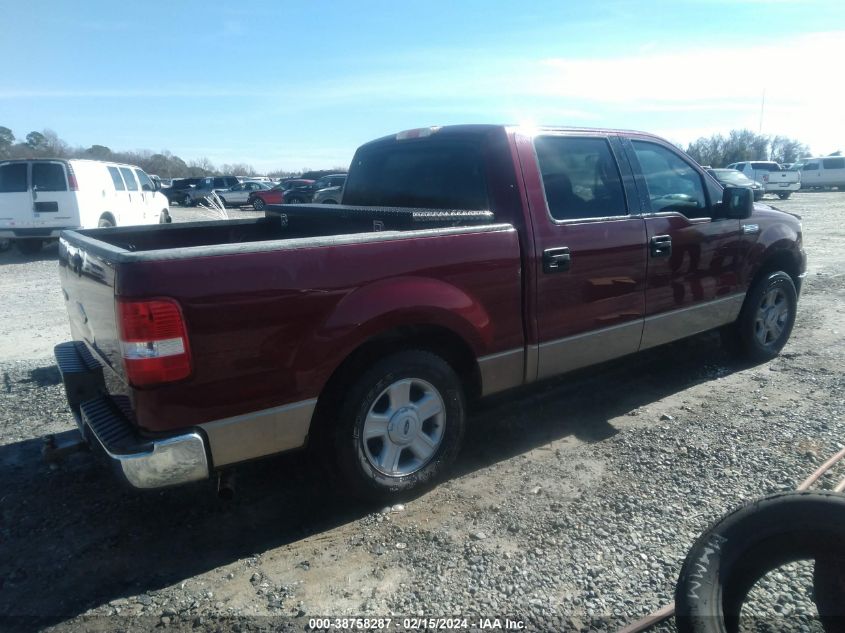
48, 177
129, 179
673, 185
580, 177
13, 178
146, 183
811, 167
116, 179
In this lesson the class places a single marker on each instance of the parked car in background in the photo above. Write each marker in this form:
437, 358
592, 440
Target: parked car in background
239, 194
305, 194
329, 195
260, 199
824, 171
200, 192
178, 188
775, 179
478, 258
41, 197
734, 178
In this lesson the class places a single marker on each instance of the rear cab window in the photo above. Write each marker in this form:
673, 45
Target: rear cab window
48, 177
766, 166
434, 173
13, 178
580, 177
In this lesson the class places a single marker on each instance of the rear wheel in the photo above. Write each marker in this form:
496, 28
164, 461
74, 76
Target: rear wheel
295, 201
783, 195
258, 204
187, 201
766, 319
30, 247
401, 426
164, 217
105, 223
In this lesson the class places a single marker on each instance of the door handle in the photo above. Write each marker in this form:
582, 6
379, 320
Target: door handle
556, 260
661, 245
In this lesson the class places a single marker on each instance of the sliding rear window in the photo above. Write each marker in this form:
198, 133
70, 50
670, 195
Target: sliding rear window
434, 174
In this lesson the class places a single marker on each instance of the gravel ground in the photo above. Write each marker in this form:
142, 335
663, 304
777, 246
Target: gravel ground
572, 506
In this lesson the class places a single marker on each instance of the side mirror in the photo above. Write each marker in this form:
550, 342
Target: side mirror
737, 203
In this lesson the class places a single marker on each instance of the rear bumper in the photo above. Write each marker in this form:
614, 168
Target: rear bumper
774, 187
105, 422
29, 234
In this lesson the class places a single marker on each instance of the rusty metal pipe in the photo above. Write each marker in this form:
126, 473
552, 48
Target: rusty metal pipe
809, 481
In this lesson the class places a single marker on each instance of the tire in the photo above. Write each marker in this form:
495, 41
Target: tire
187, 201
105, 223
295, 201
784, 195
379, 447
258, 204
29, 247
761, 330
164, 217
329, 201
828, 590
732, 555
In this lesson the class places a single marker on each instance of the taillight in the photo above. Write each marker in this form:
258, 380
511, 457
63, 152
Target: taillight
71, 178
153, 341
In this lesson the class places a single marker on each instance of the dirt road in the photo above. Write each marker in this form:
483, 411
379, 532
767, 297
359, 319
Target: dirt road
571, 508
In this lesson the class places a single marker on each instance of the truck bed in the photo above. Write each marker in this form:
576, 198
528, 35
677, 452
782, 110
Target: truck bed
282, 223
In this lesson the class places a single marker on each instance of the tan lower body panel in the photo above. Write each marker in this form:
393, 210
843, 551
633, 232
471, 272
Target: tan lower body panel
502, 371
261, 433
677, 324
590, 348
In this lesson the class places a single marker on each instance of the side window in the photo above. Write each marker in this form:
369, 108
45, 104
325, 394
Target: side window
146, 183
833, 163
13, 178
814, 166
220, 183
116, 179
673, 185
49, 177
580, 177
129, 179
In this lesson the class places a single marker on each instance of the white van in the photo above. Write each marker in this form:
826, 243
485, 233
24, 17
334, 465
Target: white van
825, 171
40, 197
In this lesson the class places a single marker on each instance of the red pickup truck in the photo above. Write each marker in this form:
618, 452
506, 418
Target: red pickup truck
464, 261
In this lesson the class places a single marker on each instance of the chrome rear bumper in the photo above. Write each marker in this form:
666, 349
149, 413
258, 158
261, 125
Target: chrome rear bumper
104, 422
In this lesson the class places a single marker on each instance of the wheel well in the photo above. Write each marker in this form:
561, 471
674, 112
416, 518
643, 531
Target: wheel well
781, 260
438, 340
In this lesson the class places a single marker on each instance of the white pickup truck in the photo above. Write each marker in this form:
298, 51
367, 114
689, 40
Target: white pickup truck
775, 178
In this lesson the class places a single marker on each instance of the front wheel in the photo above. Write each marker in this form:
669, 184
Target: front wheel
784, 195
766, 319
258, 204
401, 426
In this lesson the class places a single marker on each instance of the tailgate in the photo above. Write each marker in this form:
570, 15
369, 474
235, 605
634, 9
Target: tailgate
784, 177
88, 282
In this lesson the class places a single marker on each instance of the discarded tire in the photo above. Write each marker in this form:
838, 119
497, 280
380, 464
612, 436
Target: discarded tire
732, 555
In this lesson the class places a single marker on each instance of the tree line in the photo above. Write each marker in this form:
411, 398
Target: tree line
715, 151
744, 145
47, 144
